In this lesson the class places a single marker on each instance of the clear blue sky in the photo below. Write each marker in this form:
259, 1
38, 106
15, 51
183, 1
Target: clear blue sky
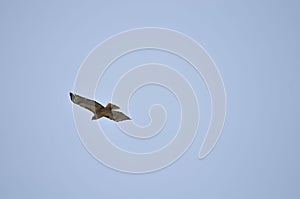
255, 45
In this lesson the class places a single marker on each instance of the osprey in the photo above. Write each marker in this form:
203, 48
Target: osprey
99, 110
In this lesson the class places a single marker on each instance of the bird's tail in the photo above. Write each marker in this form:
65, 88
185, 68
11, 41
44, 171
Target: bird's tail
112, 106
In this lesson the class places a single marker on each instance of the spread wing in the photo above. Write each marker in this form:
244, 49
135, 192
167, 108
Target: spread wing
86, 103
119, 116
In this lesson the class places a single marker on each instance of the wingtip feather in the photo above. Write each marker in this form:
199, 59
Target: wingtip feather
71, 96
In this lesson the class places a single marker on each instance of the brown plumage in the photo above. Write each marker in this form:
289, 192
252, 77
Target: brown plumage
99, 110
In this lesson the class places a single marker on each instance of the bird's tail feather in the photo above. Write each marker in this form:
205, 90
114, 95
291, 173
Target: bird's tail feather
112, 106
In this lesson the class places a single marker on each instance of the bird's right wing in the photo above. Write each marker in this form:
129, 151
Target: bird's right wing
119, 116
86, 103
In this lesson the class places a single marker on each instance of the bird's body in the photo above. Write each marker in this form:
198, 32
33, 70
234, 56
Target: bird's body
99, 110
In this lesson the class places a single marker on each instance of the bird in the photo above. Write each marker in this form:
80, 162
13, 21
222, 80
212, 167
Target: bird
98, 110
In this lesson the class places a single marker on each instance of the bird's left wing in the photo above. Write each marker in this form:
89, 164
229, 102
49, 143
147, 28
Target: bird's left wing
86, 103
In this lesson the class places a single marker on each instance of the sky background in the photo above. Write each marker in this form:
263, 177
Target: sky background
255, 45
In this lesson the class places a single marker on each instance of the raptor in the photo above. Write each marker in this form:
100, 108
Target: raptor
98, 110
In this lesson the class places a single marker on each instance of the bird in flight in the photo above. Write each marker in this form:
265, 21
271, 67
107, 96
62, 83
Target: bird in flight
99, 110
